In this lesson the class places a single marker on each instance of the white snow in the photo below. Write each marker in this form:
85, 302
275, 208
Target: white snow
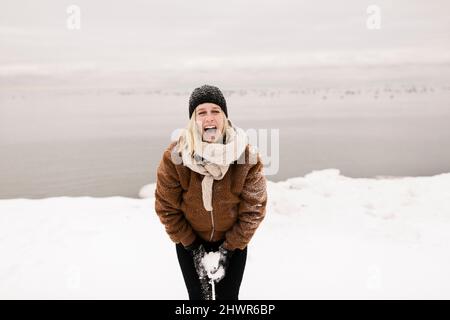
211, 264
325, 236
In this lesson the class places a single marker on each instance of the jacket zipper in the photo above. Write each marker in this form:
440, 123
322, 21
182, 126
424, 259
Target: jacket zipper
212, 217
212, 223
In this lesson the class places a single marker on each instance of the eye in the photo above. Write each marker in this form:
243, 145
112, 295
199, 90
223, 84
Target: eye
216, 111
201, 112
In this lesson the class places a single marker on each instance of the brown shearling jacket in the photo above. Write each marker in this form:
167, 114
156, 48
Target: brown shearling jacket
238, 201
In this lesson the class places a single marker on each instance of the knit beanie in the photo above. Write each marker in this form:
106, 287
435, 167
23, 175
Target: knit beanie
204, 94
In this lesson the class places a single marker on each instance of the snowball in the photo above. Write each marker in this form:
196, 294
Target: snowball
211, 264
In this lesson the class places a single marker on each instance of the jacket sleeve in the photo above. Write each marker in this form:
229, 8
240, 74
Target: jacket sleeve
252, 209
168, 196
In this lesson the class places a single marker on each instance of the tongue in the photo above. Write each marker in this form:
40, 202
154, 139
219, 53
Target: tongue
210, 134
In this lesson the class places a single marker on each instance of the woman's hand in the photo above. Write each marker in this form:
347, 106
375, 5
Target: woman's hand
197, 255
224, 261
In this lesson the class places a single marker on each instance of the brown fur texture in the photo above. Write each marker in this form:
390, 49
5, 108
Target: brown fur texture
239, 201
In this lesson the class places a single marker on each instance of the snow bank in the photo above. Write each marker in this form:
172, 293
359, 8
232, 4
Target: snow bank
325, 236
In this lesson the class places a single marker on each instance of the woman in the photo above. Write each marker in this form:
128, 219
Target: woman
211, 196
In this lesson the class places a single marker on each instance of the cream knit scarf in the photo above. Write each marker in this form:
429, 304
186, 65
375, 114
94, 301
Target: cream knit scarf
213, 159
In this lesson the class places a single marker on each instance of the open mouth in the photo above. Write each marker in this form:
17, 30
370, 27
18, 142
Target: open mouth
210, 129
209, 133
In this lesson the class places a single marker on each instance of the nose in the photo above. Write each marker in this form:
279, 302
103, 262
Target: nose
209, 119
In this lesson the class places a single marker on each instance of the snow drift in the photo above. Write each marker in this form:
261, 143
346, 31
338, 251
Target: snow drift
325, 236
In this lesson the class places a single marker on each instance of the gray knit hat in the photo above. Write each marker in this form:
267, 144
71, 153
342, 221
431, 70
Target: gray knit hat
204, 94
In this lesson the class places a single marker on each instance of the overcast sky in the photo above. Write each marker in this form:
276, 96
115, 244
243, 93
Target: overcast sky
179, 34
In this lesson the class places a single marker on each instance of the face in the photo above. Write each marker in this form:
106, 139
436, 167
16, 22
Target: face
209, 118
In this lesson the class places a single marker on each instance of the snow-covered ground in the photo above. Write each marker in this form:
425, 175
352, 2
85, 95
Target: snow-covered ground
325, 236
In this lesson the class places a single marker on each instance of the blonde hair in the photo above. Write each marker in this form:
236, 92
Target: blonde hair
192, 135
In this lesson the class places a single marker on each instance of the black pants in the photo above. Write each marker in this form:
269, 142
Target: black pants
228, 287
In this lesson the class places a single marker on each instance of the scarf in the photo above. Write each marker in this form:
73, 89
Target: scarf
213, 159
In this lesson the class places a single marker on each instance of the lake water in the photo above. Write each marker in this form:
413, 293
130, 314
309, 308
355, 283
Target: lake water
87, 141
